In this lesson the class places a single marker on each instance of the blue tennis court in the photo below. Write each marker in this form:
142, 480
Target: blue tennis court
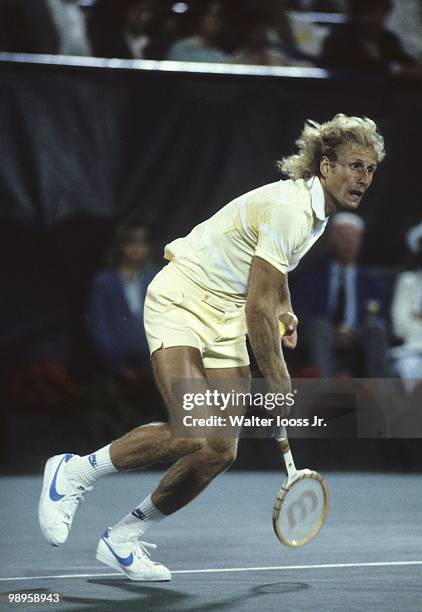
222, 551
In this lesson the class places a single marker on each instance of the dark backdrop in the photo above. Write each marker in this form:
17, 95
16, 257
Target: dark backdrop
171, 148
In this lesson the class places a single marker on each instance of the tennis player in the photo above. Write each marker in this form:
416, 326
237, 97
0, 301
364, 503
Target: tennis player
225, 279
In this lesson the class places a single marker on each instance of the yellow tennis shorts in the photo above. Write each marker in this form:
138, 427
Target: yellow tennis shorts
177, 312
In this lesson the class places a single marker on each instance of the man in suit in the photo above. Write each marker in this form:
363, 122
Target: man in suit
341, 308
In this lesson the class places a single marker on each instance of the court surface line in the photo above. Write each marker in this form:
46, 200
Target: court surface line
232, 569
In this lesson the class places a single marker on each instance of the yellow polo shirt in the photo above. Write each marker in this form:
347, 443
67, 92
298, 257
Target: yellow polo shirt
278, 222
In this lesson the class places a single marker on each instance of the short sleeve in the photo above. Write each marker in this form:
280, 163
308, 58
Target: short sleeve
280, 235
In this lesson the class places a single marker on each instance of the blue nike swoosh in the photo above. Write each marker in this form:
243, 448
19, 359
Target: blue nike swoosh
54, 495
126, 561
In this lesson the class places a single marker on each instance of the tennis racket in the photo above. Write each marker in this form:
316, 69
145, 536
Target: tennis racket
302, 503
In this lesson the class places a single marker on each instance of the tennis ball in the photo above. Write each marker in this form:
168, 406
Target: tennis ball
282, 328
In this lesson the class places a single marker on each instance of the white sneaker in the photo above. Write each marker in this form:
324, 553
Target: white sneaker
60, 498
130, 557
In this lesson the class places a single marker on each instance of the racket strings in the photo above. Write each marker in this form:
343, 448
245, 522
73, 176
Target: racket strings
302, 511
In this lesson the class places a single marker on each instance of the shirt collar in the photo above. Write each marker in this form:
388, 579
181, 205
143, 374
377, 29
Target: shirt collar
317, 198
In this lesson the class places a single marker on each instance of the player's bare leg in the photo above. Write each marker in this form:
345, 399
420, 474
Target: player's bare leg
185, 480
154, 443
192, 473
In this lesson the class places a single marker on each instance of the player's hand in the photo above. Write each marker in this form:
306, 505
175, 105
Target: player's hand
290, 342
288, 329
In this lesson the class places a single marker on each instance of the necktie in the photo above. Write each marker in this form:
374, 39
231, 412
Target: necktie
339, 312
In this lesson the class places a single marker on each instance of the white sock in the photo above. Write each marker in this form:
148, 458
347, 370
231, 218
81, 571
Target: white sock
90, 468
134, 525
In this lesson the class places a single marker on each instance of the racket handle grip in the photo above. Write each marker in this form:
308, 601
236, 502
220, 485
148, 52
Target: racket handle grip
280, 434
284, 445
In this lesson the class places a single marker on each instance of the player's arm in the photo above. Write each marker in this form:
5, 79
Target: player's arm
290, 321
268, 301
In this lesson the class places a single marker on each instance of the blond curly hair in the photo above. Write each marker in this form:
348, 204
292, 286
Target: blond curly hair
319, 139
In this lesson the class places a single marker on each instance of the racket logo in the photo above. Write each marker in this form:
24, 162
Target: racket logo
306, 503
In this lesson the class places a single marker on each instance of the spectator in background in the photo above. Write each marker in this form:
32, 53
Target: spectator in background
262, 34
341, 308
115, 316
406, 21
204, 43
244, 32
365, 44
44, 26
69, 23
122, 29
166, 28
406, 314
308, 30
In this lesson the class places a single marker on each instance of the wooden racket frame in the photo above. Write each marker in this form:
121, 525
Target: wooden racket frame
294, 476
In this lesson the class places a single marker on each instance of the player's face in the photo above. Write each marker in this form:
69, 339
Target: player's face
346, 179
